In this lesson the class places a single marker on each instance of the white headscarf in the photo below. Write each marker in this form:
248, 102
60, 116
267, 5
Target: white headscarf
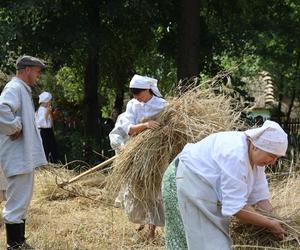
144, 82
45, 97
270, 138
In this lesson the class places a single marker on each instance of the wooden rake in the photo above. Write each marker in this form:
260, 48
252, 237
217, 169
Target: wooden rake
89, 171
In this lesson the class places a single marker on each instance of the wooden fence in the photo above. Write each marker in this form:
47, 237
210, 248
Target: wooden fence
292, 127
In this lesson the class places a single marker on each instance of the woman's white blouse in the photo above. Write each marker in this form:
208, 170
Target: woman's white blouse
222, 160
117, 136
137, 111
41, 120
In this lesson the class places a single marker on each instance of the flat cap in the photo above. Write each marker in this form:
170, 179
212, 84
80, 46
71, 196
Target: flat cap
28, 61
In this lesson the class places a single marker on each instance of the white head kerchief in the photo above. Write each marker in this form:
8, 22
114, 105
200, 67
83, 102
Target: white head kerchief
144, 82
270, 138
45, 97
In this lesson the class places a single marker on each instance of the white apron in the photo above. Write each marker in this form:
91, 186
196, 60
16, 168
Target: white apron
205, 226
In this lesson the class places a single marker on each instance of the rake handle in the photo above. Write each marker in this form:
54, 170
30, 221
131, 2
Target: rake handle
92, 170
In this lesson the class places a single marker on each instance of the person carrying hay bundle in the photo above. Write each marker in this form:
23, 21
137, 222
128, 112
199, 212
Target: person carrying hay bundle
222, 175
146, 103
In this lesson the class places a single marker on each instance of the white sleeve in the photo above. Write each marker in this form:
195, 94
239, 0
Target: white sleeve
129, 117
260, 190
118, 136
234, 194
10, 123
233, 183
40, 117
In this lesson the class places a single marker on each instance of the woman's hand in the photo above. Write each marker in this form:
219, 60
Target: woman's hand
248, 215
264, 205
152, 124
277, 230
138, 128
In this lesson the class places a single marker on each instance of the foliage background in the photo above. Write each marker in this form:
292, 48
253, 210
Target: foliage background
93, 48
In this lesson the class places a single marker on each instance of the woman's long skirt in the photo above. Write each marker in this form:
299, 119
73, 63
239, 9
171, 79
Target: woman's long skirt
49, 144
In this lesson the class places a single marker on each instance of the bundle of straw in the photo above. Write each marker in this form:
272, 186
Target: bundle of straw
285, 199
188, 118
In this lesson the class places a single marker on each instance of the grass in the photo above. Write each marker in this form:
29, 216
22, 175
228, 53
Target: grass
83, 219
58, 219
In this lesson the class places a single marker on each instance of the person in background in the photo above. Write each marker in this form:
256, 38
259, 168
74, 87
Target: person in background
147, 101
221, 176
44, 121
259, 120
21, 148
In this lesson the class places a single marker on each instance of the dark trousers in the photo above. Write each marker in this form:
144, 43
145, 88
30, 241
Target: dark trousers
49, 143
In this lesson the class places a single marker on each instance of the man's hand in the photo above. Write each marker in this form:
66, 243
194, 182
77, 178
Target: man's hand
15, 135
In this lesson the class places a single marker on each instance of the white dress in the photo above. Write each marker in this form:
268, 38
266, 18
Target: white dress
135, 113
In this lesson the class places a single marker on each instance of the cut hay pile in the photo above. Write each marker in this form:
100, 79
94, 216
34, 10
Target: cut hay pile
285, 198
52, 177
60, 220
188, 118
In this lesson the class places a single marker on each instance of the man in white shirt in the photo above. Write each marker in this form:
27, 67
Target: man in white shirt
21, 149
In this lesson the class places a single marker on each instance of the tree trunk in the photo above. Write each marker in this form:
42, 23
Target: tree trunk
293, 97
291, 105
119, 101
91, 78
188, 64
279, 107
122, 73
91, 108
121, 80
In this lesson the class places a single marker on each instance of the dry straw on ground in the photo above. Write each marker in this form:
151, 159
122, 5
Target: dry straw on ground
63, 221
189, 117
77, 218
285, 197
